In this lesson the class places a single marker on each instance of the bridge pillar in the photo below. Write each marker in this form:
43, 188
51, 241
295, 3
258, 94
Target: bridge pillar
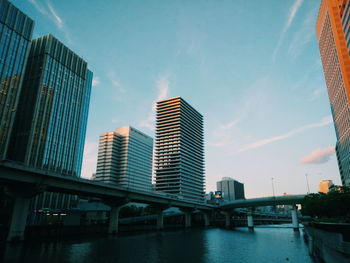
21, 196
187, 219
295, 221
227, 218
160, 219
18, 219
115, 205
206, 219
114, 220
250, 220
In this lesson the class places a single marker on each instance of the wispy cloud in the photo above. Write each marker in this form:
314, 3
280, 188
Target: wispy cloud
163, 86
291, 15
47, 9
223, 135
96, 81
316, 93
304, 35
318, 156
325, 121
115, 82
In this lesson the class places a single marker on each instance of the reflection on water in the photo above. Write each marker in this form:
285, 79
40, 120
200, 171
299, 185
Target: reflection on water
198, 245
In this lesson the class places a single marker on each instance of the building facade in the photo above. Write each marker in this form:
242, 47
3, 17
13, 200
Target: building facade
332, 30
125, 159
179, 150
15, 35
324, 186
231, 189
50, 125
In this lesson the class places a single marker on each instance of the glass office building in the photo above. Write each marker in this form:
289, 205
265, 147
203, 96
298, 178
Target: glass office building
50, 126
179, 155
332, 30
15, 35
125, 159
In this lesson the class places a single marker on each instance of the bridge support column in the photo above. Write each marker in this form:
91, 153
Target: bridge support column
160, 220
250, 220
187, 219
227, 218
206, 219
114, 220
18, 219
295, 221
21, 196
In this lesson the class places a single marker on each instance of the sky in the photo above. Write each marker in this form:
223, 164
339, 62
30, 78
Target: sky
251, 68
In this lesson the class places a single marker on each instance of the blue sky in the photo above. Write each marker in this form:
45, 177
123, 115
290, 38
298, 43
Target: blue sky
252, 68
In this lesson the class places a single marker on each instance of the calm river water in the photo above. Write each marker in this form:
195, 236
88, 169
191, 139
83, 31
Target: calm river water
265, 244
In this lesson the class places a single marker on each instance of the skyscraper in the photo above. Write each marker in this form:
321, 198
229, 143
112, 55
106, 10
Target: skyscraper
125, 159
230, 189
333, 37
15, 35
179, 155
50, 125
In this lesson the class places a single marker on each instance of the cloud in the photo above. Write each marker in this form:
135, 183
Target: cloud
316, 93
223, 134
48, 10
95, 81
292, 12
318, 156
89, 159
115, 82
304, 35
325, 121
163, 86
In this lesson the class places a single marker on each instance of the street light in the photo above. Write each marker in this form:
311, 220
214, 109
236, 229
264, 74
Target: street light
307, 183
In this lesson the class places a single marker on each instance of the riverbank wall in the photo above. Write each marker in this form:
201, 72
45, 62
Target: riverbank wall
328, 242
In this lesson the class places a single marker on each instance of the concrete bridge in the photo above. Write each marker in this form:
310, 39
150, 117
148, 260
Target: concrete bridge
22, 183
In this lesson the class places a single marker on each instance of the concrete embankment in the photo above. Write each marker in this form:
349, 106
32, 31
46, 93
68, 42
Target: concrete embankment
328, 242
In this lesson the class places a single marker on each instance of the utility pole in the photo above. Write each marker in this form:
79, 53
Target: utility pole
307, 183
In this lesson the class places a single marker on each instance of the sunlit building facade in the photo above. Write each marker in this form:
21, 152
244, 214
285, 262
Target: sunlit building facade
179, 149
50, 125
324, 186
125, 159
332, 29
15, 35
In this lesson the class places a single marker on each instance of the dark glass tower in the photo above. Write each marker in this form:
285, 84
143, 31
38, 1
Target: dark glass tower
50, 125
15, 35
179, 156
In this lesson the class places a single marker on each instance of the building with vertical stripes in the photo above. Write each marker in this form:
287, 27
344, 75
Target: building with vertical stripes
125, 159
15, 35
333, 35
50, 125
179, 149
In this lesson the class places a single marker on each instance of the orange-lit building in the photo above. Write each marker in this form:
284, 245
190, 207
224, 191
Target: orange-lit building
333, 35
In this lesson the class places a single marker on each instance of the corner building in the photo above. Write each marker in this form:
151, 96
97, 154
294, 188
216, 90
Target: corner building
125, 159
50, 125
15, 35
332, 30
179, 149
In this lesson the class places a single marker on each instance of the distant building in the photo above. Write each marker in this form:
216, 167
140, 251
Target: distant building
125, 159
50, 125
332, 30
325, 185
15, 35
231, 189
179, 154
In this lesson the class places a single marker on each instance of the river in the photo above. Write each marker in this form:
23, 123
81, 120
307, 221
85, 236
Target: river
214, 245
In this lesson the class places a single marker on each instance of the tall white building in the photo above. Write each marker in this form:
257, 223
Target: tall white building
125, 159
